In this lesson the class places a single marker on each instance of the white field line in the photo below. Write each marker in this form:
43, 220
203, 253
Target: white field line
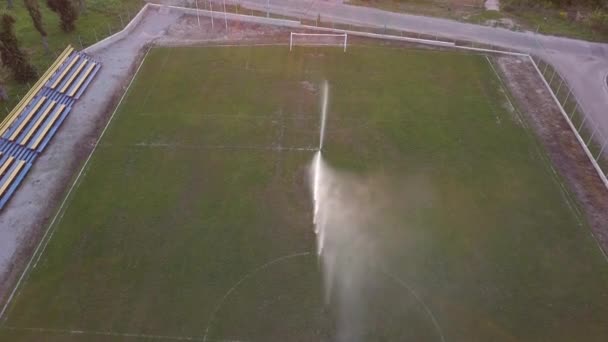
44, 241
219, 304
219, 147
105, 333
578, 136
418, 299
563, 189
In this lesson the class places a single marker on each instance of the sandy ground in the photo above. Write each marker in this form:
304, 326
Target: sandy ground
565, 153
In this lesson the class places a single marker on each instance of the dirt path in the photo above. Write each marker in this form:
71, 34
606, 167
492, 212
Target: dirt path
560, 143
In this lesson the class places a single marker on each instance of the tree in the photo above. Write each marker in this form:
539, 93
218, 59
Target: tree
34, 11
67, 13
11, 54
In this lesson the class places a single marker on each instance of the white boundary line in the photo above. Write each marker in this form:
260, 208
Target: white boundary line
49, 229
104, 333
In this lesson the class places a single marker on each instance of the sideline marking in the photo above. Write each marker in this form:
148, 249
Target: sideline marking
61, 210
105, 333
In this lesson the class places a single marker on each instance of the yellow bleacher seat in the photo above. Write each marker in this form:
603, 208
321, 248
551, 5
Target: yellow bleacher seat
38, 122
65, 71
71, 79
84, 77
27, 119
48, 127
6, 165
12, 176
14, 114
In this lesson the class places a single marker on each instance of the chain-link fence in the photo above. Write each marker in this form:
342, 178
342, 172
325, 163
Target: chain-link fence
591, 133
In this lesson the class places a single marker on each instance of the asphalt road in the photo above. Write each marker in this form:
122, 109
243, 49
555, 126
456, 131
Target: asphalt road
583, 64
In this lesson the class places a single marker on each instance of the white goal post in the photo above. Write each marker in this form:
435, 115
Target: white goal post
311, 39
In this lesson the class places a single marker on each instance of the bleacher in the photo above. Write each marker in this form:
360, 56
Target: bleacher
29, 128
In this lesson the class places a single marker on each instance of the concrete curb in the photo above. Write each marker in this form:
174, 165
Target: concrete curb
120, 34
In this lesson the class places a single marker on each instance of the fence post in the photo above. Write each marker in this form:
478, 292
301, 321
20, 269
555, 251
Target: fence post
560, 86
592, 134
545, 69
552, 76
567, 96
601, 150
582, 123
573, 110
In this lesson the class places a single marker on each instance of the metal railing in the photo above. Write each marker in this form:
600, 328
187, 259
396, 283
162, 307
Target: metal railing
587, 128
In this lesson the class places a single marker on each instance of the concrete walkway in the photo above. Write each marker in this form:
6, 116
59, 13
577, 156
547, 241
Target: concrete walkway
582, 63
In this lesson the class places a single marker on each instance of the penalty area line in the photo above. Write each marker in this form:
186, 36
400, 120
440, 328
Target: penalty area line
50, 231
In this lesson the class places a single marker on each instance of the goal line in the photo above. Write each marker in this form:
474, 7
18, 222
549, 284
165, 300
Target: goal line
318, 39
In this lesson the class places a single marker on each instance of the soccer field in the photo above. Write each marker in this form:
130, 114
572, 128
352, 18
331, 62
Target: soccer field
193, 219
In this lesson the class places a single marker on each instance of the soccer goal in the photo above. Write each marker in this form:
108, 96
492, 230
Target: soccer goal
318, 39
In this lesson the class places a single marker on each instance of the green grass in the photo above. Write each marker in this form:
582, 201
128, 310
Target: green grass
188, 219
101, 18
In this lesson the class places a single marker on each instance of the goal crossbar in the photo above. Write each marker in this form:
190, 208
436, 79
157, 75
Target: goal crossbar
295, 34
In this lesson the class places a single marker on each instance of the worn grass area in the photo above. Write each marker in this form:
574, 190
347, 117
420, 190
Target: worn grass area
100, 18
193, 218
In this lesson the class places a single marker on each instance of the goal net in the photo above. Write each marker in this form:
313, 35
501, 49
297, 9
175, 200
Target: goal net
318, 39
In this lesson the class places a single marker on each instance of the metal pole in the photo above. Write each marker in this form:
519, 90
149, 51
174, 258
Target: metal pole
198, 15
582, 123
345, 41
545, 69
573, 111
225, 19
122, 24
601, 150
560, 86
552, 76
95, 32
567, 96
80, 40
109, 29
592, 134
211, 8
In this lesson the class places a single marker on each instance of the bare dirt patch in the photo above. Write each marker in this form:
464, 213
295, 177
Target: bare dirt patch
552, 129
